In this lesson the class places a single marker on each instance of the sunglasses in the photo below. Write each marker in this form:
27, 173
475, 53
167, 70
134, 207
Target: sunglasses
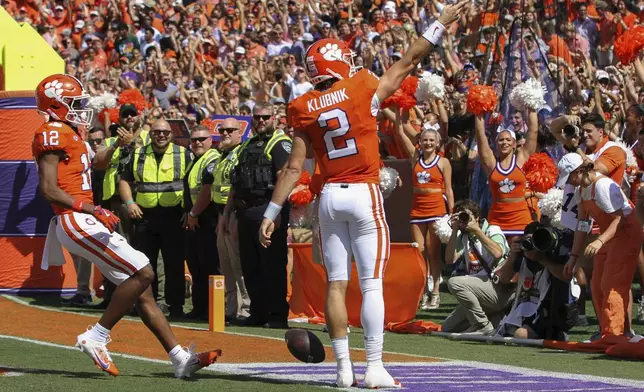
95, 141
199, 139
158, 132
228, 130
265, 117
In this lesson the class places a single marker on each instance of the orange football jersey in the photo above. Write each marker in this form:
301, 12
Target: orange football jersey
342, 129
74, 176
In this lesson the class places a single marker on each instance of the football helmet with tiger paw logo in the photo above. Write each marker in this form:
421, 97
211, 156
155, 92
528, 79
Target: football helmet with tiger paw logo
329, 59
63, 98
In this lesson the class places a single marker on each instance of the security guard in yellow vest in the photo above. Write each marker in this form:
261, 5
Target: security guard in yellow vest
111, 158
227, 240
253, 180
200, 219
157, 171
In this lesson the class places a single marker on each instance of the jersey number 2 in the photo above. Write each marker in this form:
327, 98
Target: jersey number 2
343, 128
85, 175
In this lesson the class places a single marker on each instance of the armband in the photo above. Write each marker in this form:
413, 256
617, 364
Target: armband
434, 33
77, 205
584, 226
272, 211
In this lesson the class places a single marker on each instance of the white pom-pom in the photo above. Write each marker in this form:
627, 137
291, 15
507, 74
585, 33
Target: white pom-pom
430, 86
550, 205
631, 161
528, 95
388, 181
103, 101
443, 229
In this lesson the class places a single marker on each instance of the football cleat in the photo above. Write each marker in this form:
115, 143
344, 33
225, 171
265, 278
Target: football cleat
98, 352
195, 362
346, 377
378, 377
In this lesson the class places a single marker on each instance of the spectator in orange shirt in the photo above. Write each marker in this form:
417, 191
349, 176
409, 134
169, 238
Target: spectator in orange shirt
607, 31
624, 18
377, 22
558, 47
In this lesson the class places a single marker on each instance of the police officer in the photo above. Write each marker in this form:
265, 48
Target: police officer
200, 219
253, 181
110, 160
227, 239
157, 171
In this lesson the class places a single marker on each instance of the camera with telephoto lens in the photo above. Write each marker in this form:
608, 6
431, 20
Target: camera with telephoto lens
464, 216
571, 131
548, 239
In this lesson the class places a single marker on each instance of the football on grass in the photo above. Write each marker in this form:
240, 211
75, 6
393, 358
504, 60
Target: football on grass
304, 345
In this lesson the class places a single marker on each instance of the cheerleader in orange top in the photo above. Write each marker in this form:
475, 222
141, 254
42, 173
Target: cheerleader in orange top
620, 240
510, 210
433, 199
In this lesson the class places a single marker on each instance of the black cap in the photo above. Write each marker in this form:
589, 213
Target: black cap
128, 108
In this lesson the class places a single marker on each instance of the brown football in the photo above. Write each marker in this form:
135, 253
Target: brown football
304, 345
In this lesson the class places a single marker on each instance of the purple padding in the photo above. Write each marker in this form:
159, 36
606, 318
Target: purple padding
23, 212
18, 103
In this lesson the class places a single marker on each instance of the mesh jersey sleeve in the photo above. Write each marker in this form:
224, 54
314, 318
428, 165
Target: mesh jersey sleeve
50, 137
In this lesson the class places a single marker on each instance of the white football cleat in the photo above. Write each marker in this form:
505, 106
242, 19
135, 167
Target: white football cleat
379, 377
346, 377
195, 362
98, 352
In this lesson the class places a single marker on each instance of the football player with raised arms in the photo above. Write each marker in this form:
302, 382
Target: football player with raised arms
88, 231
336, 123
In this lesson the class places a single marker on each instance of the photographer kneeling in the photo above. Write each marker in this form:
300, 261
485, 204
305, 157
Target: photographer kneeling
478, 249
543, 307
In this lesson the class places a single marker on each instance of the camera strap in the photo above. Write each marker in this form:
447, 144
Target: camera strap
478, 255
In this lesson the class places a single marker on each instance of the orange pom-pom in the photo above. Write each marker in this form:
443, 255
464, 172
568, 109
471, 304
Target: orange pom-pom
133, 96
541, 172
305, 178
481, 99
403, 97
112, 113
628, 45
301, 197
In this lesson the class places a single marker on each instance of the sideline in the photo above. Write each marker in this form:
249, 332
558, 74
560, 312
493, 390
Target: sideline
250, 369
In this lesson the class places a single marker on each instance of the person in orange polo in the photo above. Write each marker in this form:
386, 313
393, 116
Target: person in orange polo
602, 199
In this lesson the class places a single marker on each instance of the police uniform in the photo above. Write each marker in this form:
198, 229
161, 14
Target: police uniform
237, 299
158, 182
264, 269
202, 257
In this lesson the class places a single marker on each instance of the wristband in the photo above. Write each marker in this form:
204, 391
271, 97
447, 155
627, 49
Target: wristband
127, 203
77, 205
225, 214
272, 211
192, 214
434, 33
599, 239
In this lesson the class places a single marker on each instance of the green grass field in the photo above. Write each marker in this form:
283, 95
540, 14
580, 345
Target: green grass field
59, 369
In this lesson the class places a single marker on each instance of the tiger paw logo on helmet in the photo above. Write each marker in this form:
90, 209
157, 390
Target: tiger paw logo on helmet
53, 89
506, 186
331, 52
422, 177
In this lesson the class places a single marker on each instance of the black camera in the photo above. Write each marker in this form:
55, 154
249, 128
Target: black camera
548, 239
571, 131
464, 216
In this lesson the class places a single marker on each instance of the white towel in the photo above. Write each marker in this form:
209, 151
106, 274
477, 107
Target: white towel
53, 252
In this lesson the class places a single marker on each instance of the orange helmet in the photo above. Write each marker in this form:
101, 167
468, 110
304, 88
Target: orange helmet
329, 59
63, 98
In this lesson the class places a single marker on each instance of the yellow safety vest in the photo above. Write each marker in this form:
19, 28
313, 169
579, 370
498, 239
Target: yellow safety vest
159, 185
110, 187
221, 186
195, 173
